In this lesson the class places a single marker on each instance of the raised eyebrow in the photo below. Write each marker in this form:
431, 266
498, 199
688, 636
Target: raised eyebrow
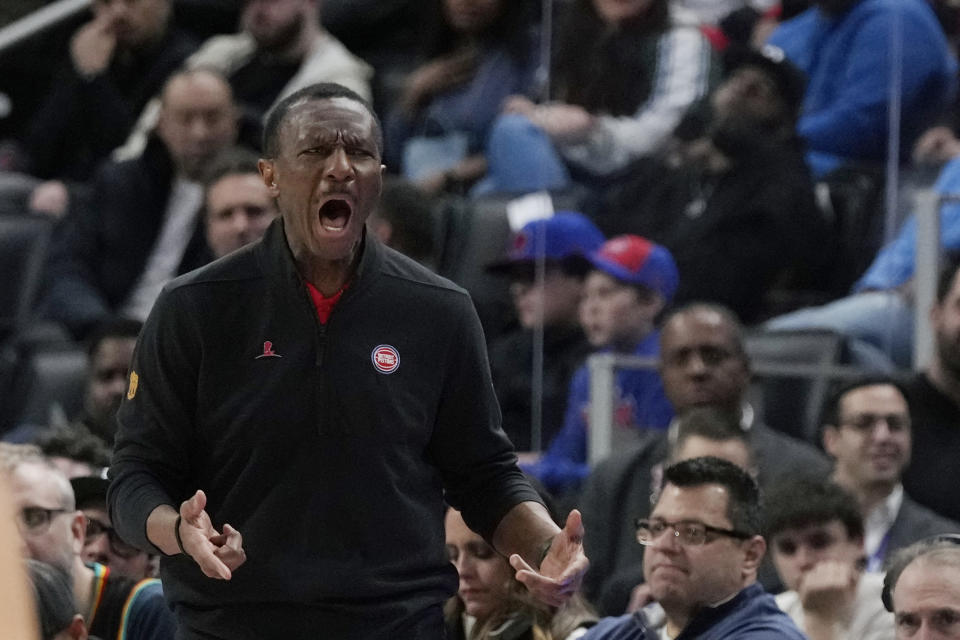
357, 140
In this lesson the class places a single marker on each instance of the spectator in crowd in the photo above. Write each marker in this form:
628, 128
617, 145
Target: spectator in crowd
490, 604
630, 283
624, 75
57, 611
101, 542
17, 613
110, 352
816, 538
282, 48
934, 395
52, 530
74, 450
563, 241
736, 180
320, 358
702, 363
113, 254
404, 220
880, 308
849, 51
476, 55
386, 33
712, 12
237, 205
118, 61
866, 430
701, 431
922, 589
702, 574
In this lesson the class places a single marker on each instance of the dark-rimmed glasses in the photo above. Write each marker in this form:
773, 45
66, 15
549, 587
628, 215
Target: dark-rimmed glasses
689, 533
117, 545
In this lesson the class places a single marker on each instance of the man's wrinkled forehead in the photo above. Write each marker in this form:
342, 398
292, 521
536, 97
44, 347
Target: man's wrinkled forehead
329, 118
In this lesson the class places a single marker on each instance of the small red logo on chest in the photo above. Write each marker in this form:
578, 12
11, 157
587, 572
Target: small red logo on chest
385, 358
268, 351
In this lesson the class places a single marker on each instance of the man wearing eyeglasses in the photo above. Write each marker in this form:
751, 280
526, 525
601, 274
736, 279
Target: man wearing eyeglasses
101, 542
53, 531
703, 363
816, 537
867, 432
702, 548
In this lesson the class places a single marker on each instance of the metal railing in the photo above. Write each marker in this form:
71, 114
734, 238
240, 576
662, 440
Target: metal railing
927, 270
38, 21
603, 368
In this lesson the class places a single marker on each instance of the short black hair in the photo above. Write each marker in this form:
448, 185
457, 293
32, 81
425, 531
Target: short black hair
830, 414
53, 598
950, 267
320, 91
710, 422
730, 320
231, 161
793, 503
743, 503
74, 442
118, 327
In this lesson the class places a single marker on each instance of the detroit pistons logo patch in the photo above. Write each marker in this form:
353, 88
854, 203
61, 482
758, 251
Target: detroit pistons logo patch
385, 358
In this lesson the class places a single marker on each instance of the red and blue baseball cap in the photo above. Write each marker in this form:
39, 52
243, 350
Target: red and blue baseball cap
637, 261
566, 235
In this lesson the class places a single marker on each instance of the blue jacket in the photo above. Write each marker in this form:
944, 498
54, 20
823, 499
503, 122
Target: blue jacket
752, 614
468, 108
895, 263
848, 60
639, 403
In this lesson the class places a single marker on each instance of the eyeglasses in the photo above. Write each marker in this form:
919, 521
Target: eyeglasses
117, 545
36, 520
817, 541
868, 422
689, 533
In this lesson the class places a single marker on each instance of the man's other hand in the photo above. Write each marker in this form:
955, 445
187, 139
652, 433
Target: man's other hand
562, 569
217, 554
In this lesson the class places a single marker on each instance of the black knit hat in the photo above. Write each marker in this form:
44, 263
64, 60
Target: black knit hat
791, 81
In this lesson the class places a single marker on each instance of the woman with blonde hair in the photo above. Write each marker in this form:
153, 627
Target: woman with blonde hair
491, 605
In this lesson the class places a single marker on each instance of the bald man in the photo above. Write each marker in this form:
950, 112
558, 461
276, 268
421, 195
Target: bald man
113, 253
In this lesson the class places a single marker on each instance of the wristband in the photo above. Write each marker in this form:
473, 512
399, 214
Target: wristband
176, 532
543, 552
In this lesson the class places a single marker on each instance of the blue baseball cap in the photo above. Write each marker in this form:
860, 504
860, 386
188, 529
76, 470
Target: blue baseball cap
637, 261
566, 235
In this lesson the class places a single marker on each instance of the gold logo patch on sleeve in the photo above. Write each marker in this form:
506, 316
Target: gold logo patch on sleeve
132, 389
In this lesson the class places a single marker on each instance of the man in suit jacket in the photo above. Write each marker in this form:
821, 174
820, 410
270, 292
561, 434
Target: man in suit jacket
113, 253
867, 431
703, 364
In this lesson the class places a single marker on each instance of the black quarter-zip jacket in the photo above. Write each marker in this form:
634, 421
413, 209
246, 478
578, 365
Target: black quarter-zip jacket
332, 466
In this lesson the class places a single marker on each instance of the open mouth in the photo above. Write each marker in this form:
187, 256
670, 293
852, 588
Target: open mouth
335, 214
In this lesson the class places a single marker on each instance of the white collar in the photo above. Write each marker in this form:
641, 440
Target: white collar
878, 523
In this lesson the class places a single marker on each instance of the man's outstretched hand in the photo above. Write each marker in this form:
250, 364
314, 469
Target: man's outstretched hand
218, 554
562, 569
